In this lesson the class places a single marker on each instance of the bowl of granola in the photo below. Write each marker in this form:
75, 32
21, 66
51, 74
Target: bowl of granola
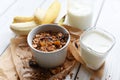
49, 44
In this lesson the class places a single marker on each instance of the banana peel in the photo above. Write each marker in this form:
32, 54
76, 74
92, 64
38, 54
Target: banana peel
42, 16
52, 12
39, 15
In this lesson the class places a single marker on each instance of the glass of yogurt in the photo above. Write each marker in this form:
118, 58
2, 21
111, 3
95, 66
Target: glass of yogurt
95, 45
79, 14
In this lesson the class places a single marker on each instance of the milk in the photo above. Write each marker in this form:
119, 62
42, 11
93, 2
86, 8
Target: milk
79, 15
95, 45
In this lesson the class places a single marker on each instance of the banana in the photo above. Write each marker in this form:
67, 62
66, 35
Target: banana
52, 12
22, 25
18, 19
23, 28
39, 15
43, 16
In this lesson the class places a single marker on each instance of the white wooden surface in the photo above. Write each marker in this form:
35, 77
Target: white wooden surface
110, 21
106, 16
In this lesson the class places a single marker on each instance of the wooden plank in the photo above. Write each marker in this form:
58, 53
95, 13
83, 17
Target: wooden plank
83, 74
73, 73
97, 8
21, 7
110, 21
5, 5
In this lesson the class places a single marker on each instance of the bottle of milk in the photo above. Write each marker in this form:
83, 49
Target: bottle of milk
79, 14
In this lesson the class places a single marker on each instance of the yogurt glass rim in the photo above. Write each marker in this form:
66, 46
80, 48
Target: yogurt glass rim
109, 35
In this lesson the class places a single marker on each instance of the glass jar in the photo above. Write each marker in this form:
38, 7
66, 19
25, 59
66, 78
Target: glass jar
79, 13
95, 45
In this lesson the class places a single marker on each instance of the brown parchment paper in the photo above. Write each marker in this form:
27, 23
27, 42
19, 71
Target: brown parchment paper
21, 54
15, 60
7, 68
74, 47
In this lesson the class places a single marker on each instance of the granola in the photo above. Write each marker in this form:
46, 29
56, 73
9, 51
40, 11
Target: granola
49, 41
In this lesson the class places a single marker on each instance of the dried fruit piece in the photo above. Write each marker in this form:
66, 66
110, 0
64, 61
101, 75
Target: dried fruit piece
57, 43
42, 43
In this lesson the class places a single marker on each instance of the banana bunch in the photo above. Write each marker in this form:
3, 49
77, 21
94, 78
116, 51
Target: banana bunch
22, 25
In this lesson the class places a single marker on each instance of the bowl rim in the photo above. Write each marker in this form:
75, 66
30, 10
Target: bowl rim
51, 52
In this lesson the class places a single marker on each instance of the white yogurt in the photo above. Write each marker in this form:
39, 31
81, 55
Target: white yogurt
95, 45
79, 16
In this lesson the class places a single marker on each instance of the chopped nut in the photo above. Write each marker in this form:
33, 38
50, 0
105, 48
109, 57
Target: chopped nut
43, 48
60, 34
36, 41
51, 48
34, 45
37, 36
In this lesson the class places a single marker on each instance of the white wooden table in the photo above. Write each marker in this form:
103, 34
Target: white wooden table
106, 16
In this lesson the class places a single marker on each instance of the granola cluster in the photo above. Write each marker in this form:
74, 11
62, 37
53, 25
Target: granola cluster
49, 41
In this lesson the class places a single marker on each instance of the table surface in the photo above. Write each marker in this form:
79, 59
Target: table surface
106, 16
